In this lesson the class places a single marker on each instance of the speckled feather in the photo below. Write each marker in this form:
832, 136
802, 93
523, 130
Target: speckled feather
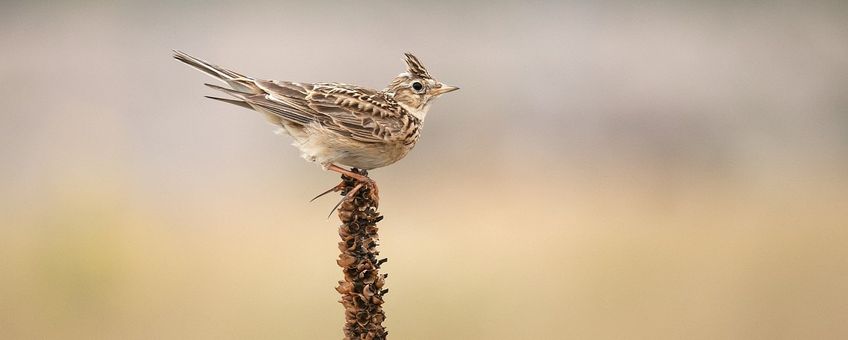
334, 123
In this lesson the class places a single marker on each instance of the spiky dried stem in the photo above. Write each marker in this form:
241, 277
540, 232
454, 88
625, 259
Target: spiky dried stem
362, 289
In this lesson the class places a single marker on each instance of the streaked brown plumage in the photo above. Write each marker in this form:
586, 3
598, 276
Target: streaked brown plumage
338, 124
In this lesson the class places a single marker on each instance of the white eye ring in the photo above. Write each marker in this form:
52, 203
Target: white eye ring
417, 87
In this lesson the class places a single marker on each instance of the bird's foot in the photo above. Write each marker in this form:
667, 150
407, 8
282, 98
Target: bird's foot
355, 180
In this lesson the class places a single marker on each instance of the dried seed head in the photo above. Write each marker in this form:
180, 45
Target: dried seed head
362, 289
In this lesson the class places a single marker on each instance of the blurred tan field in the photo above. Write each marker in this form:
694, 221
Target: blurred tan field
607, 171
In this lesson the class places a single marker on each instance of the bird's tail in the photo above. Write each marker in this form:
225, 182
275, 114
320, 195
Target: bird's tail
237, 81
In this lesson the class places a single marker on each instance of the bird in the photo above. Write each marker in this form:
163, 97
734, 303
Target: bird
338, 125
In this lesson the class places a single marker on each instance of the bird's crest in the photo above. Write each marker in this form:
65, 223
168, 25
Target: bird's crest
415, 67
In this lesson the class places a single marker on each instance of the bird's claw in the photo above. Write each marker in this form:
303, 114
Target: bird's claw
373, 192
336, 188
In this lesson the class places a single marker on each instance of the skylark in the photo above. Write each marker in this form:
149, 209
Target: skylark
337, 124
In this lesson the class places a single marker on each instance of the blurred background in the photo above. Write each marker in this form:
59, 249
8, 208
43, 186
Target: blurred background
608, 171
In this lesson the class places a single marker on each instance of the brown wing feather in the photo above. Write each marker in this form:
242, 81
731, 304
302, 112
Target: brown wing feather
370, 116
362, 114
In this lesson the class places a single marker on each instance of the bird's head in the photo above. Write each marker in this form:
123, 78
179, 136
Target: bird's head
415, 89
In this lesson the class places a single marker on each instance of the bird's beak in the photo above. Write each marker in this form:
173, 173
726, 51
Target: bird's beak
444, 89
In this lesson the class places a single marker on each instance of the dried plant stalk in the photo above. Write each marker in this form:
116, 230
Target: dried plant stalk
362, 289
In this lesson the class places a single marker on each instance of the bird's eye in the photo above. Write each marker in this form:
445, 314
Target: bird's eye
417, 86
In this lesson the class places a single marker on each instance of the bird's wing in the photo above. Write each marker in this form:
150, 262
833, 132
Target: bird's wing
362, 114
285, 100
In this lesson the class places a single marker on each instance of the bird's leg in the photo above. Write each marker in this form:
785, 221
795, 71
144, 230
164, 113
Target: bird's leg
375, 192
362, 181
341, 185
